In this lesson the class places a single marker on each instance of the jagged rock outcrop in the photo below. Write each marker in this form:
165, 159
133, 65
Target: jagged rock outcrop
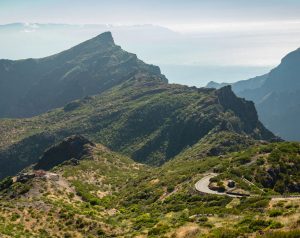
276, 96
246, 112
73, 147
241, 107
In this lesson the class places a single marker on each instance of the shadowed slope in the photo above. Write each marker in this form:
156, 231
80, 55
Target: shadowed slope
33, 86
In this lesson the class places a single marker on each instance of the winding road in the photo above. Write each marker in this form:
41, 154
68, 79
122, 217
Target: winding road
202, 185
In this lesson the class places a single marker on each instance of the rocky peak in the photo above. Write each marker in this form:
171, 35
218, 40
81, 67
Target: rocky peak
241, 107
292, 58
73, 147
105, 37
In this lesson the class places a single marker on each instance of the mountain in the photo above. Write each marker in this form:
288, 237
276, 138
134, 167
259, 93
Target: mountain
151, 43
240, 86
144, 118
105, 194
34, 86
124, 161
216, 85
135, 111
276, 96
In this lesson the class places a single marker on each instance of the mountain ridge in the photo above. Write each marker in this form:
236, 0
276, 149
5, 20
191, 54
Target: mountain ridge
147, 120
276, 96
136, 112
124, 162
33, 86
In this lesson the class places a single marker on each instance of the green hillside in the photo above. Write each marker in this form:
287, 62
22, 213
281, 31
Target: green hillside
119, 152
144, 118
105, 194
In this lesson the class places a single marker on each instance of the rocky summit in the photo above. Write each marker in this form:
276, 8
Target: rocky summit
33, 86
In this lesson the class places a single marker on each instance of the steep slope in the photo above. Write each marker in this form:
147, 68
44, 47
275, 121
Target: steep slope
71, 200
105, 194
33, 86
144, 118
138, 113
276, 96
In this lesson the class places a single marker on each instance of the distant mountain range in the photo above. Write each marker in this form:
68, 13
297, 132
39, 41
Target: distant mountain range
276, 96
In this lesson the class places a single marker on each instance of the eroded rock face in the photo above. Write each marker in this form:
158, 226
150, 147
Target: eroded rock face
246, 112
73, 147
241, 107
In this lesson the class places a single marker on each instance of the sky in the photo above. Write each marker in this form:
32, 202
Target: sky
160, 12
193, 41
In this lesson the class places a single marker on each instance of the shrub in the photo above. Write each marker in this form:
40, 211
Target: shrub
170, 189
101, 233
257, 225
275, 213
281, 234
260, 161
202, 219
6, 183
158, 229
243, 160
15, 217
214, 180
253, 203
223, 233
67, 235
276, 225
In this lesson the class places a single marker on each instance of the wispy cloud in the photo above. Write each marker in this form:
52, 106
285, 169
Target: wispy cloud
250, 26
30, 27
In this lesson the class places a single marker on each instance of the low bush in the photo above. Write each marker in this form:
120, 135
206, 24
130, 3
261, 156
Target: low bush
275, 213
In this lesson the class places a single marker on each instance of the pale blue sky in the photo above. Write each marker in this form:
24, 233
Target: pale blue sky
161, 12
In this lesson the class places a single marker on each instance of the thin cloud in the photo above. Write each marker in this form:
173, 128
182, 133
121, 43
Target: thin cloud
30, 27
220, 27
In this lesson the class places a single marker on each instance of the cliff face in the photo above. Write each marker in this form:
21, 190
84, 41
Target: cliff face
241, 107
276, 96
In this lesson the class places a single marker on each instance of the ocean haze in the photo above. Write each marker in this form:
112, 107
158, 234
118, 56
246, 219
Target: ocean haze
200, 75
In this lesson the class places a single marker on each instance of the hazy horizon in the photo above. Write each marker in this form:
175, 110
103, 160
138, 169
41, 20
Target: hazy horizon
193, 42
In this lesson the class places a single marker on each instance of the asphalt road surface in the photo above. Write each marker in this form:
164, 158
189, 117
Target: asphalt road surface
202, 185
